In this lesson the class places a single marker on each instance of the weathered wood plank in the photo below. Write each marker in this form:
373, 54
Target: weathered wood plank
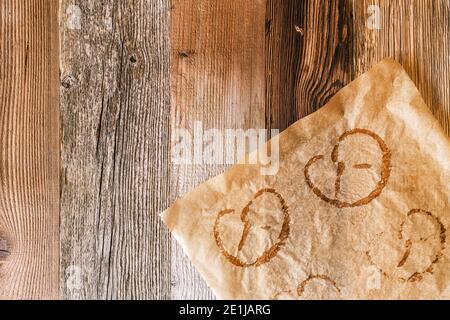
29, 150
218, 78
417, 34
115, 104
308, 58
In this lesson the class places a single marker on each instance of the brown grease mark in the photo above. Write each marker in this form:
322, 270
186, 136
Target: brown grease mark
385, 171
276, 296
247, 226
418, 275
269, 253
406, 254
308, 178
362, 166
335, 154
301, 286
415, 277
369, 257
266, 227
340, 173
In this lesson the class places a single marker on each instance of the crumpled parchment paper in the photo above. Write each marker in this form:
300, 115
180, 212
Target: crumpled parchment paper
359, 208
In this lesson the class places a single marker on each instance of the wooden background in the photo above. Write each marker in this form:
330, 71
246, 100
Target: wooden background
80, 221
29, 153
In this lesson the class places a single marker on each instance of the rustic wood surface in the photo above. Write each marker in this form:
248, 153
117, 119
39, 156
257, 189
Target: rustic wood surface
131, 72
312, 49
217, 78
29, 156
115, 104
307, 57
417, 34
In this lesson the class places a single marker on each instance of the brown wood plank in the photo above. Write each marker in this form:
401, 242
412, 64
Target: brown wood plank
308, 58
29, 150
416, 34
115, 107
218, 78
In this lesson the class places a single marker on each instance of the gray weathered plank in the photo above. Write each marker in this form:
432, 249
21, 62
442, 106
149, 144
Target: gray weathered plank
115, 107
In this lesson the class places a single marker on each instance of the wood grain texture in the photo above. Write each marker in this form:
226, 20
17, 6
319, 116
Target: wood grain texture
308, 49
218, 78
115, 103
417, 34
29, 150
